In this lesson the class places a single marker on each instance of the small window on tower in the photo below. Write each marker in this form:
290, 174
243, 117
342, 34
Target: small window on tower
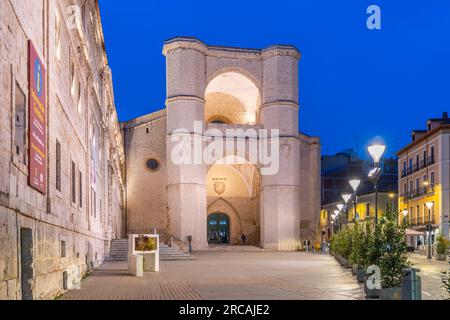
152, 164
20, 124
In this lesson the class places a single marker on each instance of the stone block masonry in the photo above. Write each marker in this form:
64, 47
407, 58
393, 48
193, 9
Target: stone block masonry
49, 240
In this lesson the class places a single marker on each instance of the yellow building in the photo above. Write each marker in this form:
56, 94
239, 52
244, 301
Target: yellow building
424, 178
365, 211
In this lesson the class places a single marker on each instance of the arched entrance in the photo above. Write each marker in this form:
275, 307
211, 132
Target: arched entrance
218, 228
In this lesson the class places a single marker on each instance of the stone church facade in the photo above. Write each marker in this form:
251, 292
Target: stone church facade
50, 238
211, 88
100, 180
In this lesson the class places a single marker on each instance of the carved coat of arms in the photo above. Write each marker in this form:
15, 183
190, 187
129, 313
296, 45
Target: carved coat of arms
219, 185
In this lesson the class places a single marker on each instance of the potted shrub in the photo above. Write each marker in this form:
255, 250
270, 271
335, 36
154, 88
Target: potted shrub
361, 244
446, 281
393, 255
372, 257
357, 250
442, 245
346, 246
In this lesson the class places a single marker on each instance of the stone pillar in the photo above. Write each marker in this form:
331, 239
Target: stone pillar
186, 183
280, 193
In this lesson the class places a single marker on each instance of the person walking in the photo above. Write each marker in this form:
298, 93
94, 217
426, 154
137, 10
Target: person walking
243, 239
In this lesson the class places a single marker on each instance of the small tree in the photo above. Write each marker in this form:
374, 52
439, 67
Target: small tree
393, 249
359, 243
446, 281
442, 244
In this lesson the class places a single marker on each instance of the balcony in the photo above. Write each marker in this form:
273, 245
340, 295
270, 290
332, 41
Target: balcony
416, 193
420, 221
418, 166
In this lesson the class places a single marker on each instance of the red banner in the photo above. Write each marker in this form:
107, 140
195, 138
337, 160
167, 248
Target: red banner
37, 122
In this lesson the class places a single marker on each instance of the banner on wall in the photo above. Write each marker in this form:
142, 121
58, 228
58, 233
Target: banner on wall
37, 122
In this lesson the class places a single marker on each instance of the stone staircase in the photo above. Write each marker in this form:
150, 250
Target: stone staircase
119, 252
234, 248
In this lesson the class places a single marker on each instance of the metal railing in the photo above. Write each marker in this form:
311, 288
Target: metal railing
427, 190
418, 166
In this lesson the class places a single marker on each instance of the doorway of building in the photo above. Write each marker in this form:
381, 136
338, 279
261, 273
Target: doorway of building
218, 228
26, 263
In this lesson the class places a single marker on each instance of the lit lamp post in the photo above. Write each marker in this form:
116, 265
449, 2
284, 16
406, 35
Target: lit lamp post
376, 152
336, 215
405, 214
346, 197
429, 205
354, 184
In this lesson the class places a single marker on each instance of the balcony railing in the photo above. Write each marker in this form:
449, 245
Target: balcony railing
420, 221
418, 166
416, 193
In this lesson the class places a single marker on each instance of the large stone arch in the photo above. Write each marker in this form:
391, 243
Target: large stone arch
221, 205
240, 197
234, 95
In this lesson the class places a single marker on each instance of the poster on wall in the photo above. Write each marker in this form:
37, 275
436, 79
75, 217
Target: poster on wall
37, 122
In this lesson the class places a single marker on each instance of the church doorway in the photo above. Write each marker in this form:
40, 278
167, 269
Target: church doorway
218, 228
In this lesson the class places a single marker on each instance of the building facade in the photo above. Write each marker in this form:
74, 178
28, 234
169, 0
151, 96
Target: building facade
217, 89
424, 177
61, 149
365, 211
337, 171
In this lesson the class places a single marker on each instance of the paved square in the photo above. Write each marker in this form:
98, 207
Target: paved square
226, 275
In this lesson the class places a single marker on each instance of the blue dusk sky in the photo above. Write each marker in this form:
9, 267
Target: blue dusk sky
355, 84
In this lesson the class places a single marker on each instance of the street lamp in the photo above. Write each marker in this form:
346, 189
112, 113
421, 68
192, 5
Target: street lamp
429, 205
346, 197
376, 152
405, 214
336, 214
354, 184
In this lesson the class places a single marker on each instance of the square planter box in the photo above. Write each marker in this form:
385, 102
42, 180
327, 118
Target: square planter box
441, 257
391, 293
360, 274
371, 293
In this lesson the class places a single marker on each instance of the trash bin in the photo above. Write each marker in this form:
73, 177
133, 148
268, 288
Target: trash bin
411, 285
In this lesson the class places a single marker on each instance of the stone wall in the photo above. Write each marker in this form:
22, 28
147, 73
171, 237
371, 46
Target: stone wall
70, 237
145, 138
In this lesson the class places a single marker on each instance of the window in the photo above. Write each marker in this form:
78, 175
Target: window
73, 183
432, 179
58, 34
20, 122
411, 186
432, 152
79, 98
417, 160
152, 164
63, 249
417, 184
72, 75
404, 166
367, 209
425, 155
80, 190
93, 203
58, 166
405, 189
417, 211
410, 164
